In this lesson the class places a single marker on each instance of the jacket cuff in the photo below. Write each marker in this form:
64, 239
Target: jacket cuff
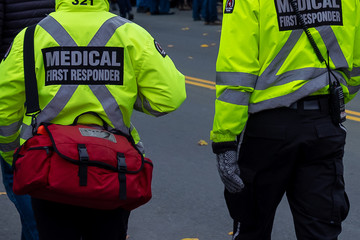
221, 147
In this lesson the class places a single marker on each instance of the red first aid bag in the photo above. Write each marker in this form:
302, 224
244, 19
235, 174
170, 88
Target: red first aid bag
84, 166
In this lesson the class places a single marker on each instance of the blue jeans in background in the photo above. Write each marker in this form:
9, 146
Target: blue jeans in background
125, 7
143, 6
22, 204
209, 10
196, 9
159, 6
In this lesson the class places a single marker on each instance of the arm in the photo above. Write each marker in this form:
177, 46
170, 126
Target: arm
161, 86
12, 98
237, 70
354, 81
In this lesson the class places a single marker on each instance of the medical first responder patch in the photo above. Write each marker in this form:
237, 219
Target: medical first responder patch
84, 65
229, 7
159, 48
315, 13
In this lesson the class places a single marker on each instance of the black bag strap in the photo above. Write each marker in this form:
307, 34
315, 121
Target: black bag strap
31, 91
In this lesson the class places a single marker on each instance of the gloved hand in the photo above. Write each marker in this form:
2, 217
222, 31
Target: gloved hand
227, 164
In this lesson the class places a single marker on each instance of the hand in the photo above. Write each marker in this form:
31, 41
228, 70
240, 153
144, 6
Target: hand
229, 171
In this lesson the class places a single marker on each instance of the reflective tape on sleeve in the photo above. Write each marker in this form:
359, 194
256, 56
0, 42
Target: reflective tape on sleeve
235, 97
355, 72
353, 89
6, 147
236, 79
11, 129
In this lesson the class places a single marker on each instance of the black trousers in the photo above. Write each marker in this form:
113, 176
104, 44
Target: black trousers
295, 152
56, 221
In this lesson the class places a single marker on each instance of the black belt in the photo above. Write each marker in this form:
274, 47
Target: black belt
311, 103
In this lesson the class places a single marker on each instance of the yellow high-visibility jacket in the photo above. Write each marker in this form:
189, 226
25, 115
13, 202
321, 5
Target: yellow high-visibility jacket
87, 59
266, 61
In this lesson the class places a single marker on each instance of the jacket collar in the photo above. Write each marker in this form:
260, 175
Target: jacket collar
82, 5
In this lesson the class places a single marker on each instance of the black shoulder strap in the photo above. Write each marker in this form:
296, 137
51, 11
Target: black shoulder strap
31, 91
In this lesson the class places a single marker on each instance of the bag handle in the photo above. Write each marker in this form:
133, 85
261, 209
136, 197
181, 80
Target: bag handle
105, 124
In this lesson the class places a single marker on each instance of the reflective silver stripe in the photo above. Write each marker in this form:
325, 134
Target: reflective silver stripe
285, 100
236, 79
110, 106
355, 72
237, 231
138, 104
305, 74
290, 76
6, 131
6, 147
65, 92
60, 35
23, 131
107, 30
140, 147
147, 106
107, 100
53, 108
235, 97
353, 89
269, 77
317, 77
336, 54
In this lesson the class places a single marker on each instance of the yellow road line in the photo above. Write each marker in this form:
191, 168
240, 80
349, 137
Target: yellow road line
200, 80
352, 112
2, 193
211, 85
200, 84
353, 118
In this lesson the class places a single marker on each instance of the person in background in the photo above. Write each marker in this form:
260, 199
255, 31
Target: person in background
113, 4
281, 90
143, 6
125, 9
196, 9
160, 7
145, 79
14, 16
210, 13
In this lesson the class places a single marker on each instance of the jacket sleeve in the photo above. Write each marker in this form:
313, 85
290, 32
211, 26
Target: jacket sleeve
237, 68
161, 87
12, 99
354, 82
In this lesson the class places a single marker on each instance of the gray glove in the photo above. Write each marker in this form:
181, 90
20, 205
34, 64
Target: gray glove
229, 171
